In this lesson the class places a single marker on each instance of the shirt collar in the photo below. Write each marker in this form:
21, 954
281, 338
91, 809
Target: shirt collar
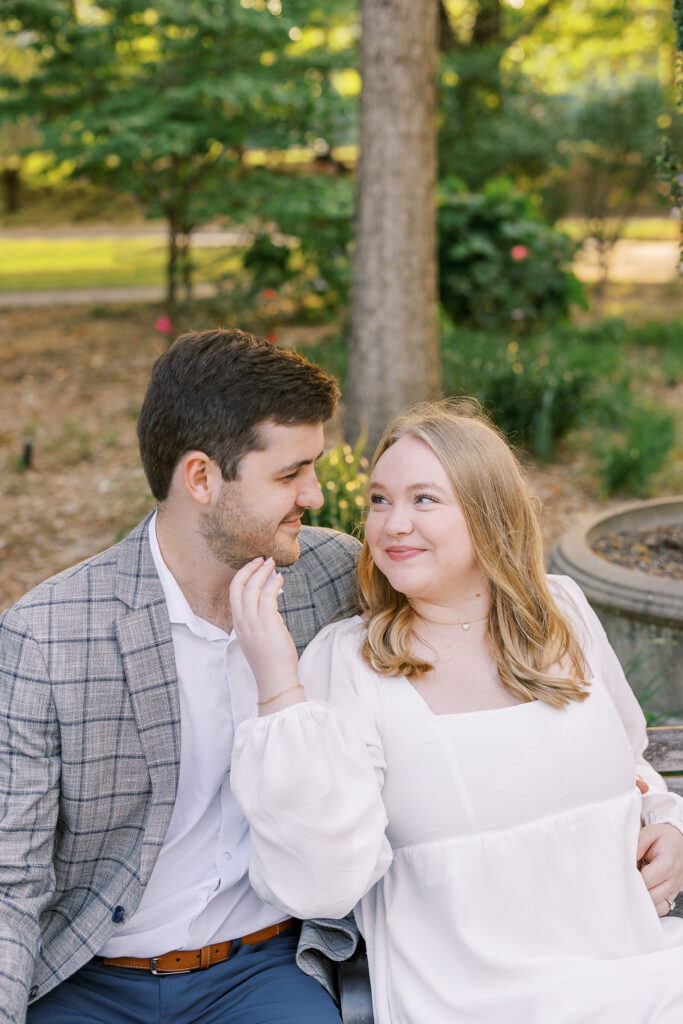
179, 611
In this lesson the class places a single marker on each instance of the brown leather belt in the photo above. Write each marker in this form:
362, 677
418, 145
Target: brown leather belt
182, 961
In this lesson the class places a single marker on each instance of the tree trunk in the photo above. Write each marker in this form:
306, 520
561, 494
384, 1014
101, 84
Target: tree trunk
10, 187
172, 266
488, 26
186, 262
394, 348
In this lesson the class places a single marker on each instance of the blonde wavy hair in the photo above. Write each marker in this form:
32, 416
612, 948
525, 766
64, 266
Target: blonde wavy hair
536, 653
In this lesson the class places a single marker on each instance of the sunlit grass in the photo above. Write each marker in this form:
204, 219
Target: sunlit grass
663, 229
34, 264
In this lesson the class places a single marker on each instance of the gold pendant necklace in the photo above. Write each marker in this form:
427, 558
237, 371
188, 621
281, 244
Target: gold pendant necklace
464, 625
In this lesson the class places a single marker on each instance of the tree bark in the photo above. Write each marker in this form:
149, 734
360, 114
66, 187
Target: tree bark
11, 180
394, 347
172, 264
186, 260
488, 26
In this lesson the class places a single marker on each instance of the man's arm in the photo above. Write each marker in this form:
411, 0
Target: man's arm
29, 798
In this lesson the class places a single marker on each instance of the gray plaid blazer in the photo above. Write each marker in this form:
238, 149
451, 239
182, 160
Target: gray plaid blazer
90, 753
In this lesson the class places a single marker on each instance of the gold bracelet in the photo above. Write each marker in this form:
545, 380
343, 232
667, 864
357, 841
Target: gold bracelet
269, 700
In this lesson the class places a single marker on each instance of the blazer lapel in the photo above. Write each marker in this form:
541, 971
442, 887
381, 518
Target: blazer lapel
146, 646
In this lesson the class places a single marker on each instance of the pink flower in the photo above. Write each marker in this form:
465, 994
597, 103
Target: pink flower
272, 337
269, 293
519, 252
164, 325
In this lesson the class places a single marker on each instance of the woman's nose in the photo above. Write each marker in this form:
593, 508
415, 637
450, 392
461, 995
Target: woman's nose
399, 521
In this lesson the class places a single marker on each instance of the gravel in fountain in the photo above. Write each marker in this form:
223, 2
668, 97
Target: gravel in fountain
658, 550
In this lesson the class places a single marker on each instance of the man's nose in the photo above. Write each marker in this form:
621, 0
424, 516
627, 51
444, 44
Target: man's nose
310, 495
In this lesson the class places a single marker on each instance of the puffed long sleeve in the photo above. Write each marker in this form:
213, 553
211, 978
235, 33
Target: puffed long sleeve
309, 780
659, 805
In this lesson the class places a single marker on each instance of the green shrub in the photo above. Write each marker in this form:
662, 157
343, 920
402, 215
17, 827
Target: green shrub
631, 455
267, 262
342, 474
500, 265
569, 378
536, 389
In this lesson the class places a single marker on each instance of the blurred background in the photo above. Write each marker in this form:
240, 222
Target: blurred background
192, 163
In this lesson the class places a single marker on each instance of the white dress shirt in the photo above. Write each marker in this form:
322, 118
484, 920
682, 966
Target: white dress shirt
199, 891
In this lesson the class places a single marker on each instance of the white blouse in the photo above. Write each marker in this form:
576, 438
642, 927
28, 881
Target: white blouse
489, 856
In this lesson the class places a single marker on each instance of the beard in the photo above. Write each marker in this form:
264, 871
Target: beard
235, 535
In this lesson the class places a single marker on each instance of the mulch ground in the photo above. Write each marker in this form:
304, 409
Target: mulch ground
658, 550
72, 386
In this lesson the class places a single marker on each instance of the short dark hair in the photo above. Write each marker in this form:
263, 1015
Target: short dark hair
212, 390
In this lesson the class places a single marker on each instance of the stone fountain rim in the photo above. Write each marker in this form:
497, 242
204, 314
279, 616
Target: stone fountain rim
629, 592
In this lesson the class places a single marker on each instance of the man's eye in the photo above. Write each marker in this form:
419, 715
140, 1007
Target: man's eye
291, 476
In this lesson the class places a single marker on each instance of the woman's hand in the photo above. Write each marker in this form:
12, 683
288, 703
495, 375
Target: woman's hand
660, 859
263, 636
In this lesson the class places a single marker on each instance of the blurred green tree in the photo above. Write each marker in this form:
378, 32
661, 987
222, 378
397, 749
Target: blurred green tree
614, 140
165, 99
508, 67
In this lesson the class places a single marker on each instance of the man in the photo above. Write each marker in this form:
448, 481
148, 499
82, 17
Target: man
124, 889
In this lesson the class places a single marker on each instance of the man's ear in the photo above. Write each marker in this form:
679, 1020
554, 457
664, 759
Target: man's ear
201, 476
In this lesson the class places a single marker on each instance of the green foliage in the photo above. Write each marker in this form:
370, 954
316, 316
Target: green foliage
540, 389
500, 265
632, 453
314, 212
342, 474
536, 390
267, 262
493, 122
163, 101
613, 138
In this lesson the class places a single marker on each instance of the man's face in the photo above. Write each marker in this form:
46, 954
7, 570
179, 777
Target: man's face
260, 512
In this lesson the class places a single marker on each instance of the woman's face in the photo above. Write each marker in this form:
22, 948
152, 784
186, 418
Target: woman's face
415, 528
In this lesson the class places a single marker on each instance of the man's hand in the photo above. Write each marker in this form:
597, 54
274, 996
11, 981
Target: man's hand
263, 636
660, 860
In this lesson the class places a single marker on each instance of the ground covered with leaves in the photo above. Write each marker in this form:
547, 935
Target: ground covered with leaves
72, 386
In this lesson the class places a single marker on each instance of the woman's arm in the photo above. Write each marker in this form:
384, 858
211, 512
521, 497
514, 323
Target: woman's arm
306, 774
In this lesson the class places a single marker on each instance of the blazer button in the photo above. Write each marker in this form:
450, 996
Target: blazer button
33, 992
118, 914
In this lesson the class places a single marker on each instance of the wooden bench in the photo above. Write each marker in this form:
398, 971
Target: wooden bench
665, 754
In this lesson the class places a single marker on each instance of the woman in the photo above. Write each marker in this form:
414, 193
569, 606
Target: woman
463, 769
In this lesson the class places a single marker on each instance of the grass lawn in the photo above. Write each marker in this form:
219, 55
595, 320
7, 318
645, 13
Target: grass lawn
650, 229
33, 264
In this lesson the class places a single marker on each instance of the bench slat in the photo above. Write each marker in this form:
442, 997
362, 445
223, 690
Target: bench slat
665, 749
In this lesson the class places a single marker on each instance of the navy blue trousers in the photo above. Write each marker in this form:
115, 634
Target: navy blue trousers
257, 985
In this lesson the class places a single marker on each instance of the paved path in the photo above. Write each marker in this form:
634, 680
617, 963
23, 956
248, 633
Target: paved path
644, 262
206, 239
96, 296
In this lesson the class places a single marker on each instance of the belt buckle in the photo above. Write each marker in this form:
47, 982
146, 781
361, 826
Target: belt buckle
162, 974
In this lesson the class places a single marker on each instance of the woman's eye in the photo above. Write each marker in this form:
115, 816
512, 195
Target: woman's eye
423, 499
377, 499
